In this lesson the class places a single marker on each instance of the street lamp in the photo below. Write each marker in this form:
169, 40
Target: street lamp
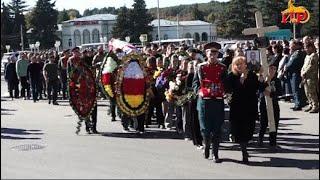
158, 13
31, 46
127, 39
57, 45
37, 45
8, 48
104, 40
141, 38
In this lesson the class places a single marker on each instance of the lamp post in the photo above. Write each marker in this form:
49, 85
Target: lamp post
127, 39
104, 40
31, 46
8, 48
37, 45
57, 45
158, 13
141, 40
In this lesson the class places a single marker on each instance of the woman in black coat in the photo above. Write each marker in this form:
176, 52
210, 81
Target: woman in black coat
243, 86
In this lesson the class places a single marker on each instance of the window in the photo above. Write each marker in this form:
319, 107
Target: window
196, 37
70, 42
187, 35
86, 36
165, 36
204, 36
77, 38
95, 36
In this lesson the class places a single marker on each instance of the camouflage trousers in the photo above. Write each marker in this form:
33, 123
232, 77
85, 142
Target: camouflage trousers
311, 88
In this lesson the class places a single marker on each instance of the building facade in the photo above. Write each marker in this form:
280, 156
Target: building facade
87, 29
200, 31
91, 29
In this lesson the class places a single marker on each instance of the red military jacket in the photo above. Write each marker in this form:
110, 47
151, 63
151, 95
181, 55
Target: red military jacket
211, 80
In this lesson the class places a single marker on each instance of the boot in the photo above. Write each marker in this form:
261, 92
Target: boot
245, 155
207, 143
215, 150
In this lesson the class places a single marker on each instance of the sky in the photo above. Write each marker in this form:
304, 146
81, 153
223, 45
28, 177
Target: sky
81, 5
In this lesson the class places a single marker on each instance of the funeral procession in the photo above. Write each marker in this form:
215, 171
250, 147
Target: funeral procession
157, 89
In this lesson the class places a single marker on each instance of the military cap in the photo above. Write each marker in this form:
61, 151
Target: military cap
66, 51
212, 45
75, 49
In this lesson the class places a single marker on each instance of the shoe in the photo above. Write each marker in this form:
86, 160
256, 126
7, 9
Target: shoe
217, 160
308, 109
55, 103
94, 131
187, 139
200, 147
231, 138
113, 119
125, 130
314, 111
245, 160
88, 130
297, 109
293, 107
49, 102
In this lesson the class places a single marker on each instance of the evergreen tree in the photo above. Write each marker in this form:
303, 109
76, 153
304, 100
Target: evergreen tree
124, 24
196, 13
240, 15
311, 28
141, 19
6, 26
63, 16
44, 23
17, 8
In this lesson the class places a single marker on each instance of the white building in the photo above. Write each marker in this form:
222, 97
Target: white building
200, 31
90, 29
87, 29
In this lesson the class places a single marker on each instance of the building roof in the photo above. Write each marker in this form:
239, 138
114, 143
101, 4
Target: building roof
96, 17
164, 22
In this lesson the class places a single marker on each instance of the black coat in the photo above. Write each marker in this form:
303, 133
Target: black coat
243, 105
10, 74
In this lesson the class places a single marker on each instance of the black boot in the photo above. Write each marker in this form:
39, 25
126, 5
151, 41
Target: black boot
245, 155
207, 143
88, 127
215, 150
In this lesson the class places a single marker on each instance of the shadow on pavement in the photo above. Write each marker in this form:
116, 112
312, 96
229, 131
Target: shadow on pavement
147, 135
280, 162
3, 111
6, 133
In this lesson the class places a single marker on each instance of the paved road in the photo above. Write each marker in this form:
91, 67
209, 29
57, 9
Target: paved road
38, 141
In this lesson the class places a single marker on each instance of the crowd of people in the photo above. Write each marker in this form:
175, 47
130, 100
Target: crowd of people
190, 87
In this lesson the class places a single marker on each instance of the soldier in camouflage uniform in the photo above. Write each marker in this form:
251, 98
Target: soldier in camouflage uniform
309, 74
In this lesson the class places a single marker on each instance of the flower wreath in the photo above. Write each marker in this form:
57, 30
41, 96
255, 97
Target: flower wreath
132, 94
106, 81
81, 100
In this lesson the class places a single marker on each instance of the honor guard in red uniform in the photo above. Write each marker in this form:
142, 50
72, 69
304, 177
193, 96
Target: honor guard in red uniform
208, 84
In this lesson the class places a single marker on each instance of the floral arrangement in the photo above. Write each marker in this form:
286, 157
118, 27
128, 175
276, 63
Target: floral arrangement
109, 65
82, 90
132, 95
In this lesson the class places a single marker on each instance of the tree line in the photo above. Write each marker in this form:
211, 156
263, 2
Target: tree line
230, 17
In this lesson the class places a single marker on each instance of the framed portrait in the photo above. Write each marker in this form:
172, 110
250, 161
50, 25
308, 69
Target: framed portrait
253, 56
